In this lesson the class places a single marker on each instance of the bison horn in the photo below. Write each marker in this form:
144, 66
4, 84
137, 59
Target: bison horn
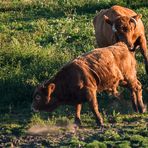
134, 21
114, 28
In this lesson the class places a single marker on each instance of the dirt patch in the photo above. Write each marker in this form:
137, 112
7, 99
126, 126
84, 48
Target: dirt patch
41, 130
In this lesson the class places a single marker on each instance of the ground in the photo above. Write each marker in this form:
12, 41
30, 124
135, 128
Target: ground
37, 37
25, 129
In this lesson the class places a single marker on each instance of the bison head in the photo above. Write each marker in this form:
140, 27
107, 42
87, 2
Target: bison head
43, 98
124, 28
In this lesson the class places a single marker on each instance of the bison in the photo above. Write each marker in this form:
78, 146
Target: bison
121, 24
101, 69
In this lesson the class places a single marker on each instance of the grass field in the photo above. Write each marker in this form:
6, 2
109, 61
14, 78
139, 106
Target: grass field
37, 37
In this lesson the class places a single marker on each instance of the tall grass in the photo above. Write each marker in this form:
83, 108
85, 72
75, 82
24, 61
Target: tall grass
37, 37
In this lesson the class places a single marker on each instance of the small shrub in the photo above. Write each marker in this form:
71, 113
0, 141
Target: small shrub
36, 120
124, 144
63, 121
111, 135
136, 138
96, 144
75, 142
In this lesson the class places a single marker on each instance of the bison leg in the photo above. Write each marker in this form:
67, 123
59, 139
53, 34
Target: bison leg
77, 116
143, 46
138, 104
133, 94
96, 112
134, 101
141, 106
94, 106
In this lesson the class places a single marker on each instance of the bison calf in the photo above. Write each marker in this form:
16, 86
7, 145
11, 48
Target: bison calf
101, 69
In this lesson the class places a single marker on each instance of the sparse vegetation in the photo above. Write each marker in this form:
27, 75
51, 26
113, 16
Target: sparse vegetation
37, 37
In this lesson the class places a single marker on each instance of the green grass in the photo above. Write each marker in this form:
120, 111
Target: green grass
59, 131
37, 37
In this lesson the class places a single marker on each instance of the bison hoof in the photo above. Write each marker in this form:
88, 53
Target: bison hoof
77, 122
100, 124
142, 109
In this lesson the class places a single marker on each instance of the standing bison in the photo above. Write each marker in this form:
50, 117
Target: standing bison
121, 24
79, 81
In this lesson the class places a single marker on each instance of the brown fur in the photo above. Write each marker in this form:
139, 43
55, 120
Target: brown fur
101, 69
122, 18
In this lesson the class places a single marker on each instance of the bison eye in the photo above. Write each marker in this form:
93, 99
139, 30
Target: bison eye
38, 97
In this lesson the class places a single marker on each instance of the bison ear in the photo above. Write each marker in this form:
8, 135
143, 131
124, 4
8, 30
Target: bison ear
138, 16
51, 88
107, 20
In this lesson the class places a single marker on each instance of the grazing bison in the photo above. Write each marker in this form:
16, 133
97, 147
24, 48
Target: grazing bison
101, 69
121, 24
